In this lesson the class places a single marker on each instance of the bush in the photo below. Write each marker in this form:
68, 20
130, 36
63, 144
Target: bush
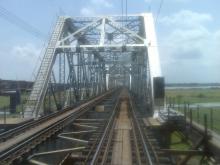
200, 95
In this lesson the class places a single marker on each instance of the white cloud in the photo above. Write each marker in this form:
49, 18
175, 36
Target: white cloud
25, 51
190, 49
96, 7
176, 1
103, 3
148, 1
20, 61
86, 11
182, 1
186, 18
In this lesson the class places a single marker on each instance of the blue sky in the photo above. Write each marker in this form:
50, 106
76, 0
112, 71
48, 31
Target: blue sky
188, 33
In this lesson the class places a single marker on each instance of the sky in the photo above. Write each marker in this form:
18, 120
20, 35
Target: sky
188, 33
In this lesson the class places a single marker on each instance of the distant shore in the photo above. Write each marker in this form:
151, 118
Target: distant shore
192, 85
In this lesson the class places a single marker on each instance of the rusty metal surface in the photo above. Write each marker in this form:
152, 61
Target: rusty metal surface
18, 141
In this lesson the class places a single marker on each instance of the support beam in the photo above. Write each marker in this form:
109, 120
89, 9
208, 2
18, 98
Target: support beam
102, 38
73, 139
56, 152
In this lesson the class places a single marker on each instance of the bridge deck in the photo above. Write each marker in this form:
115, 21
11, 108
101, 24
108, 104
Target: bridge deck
21, 137
122, 146
24, 136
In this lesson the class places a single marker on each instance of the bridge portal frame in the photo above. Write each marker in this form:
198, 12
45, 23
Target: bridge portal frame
96, 49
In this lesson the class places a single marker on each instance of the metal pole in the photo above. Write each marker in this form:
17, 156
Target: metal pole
211, 118
4, 115
205, 125
206, 151
168, 113
166, 101
190, 111
185, 112
198, 117
169, 101
178, 102
22, 109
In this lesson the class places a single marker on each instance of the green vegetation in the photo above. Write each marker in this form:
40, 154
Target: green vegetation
197, 95
213, 117
178, 143
4, 101
191, 96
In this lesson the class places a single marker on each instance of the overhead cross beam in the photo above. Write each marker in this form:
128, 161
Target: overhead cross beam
95, 48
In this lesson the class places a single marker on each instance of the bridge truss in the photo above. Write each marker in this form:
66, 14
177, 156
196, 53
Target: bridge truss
86, 56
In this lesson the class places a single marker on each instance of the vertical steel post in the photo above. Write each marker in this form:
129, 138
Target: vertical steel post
205, 125
185, 113
178, 106
22, 108
4, 115
188, 109
168, 113
211, 118
191, 116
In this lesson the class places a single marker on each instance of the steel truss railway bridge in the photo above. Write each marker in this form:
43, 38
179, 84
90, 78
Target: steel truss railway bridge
92, 102
87, 56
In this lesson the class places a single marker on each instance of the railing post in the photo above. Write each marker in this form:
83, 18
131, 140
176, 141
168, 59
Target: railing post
190, 111
198, 117
178, 106
169, 101
4, 115
168, 117
174, 102
211, 118
22, 109
205, 125
185, 113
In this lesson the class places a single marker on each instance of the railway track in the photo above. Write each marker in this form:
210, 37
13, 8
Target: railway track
150, 144
5, 136
29, 124
105, 130
124, 140
75, 138
17, 143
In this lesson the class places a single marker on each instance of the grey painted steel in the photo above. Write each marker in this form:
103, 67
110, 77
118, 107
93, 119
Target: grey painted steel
96, 54
40, 85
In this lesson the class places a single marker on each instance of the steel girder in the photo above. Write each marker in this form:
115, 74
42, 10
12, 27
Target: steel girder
96, 54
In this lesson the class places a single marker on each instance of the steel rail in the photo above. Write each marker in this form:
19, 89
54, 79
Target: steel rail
109, 133
106, 132
137, 149
25, 145
33, 123
18, 147
146, 149
20, 129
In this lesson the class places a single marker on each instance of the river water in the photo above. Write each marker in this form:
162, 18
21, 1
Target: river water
214, 105
191, 87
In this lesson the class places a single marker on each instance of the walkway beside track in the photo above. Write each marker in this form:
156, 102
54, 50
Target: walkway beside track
122, 145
